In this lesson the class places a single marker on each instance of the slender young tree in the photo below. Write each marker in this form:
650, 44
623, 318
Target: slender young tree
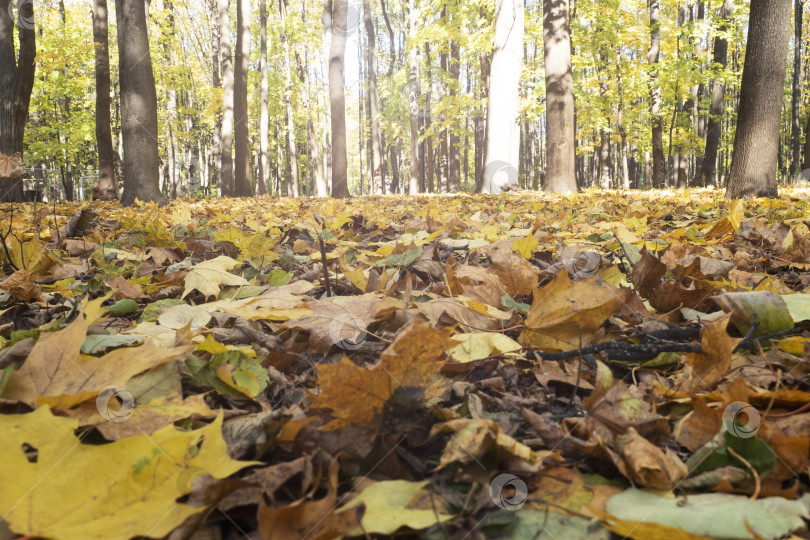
139, 126
503, 130
226, 139
264, 116
106, 176
242, 186
560, 121
659, 164
413, 95
340, 186
378, 151
796, 105
756, 142
706, 174
16, 84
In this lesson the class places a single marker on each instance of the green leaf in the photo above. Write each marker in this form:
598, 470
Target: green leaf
123, 307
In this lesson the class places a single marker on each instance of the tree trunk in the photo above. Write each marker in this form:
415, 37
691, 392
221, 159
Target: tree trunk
796, 124
242, 186
659, 164
139, 128
226, 150
604, 159
171, 105
340, 187
430, 166
560, 121
106, 174
503, 130
378, 151
413, 96
706, 174
316, 165
264, 116
453, 158
16, 83
216, 143
756, 142
295, 188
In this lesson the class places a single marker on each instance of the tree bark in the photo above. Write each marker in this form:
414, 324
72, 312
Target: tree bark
706, 174
430, 166
659, 163
454, 158
503, 131
106, 174
756, 142
242, 186
295, 188
413, 96
340, 187
796, 124
139, 128
226, 139
378, 151
264, 116
560, 120
16, 84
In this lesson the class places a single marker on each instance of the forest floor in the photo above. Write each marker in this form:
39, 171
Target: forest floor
525, 366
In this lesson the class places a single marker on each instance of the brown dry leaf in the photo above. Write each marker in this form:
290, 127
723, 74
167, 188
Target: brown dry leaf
21, 286
315, 520
342, 319
646, 464
125, 289
356, 394
444, 311
56, 372
480, 284
517, 275
566, 315
712, 364
78, 248
699, 426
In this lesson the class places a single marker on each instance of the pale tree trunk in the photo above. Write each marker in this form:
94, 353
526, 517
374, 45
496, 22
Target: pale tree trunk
454, 161
756, 142
444, 152
620, 127
171, 105
242, 186
659, 164
106, 174
226, 150
264, 116
484, 61
293, 150
430, 171
378, 151
560, 121
708, 170
316, 163
327, 117
340, 187
413, 95
503, 104
216, 142
139, 128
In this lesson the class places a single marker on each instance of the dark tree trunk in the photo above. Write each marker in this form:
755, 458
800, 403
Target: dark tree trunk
16, 83
242, 186
756, 142
377, 156
560, 122
413, 98
340, 187
706, 174
430, 166
139, 128
264, 115
106, 174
